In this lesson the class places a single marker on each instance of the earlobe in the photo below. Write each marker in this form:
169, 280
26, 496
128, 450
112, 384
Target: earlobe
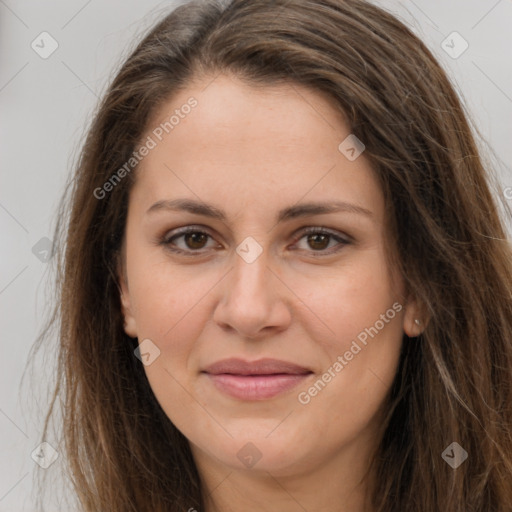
130, 325
413, 321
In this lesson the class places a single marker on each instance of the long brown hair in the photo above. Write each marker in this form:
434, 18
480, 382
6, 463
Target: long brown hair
454, 382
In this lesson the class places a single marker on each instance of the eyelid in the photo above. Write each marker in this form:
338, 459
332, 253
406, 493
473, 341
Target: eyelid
191, 228
323, 230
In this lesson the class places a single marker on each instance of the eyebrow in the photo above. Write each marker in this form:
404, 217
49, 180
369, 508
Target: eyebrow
291, 212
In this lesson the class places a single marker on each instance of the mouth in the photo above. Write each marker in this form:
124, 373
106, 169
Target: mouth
257, 380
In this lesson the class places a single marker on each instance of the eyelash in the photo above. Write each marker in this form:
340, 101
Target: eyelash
167, 240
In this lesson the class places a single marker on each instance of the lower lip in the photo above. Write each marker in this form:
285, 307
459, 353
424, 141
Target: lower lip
256, 387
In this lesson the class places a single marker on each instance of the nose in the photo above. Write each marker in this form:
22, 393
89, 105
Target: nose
254, 301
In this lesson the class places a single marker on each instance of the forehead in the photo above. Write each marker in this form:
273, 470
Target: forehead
234, 115
245, 145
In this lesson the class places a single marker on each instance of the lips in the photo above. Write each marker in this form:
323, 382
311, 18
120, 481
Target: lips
262, 367
256, 380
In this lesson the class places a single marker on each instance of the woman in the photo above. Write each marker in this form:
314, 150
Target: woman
286, 284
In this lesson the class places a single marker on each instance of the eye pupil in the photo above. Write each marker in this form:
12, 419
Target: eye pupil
314, 238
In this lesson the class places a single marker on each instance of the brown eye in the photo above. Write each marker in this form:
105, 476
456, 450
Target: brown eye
318, 240
193, 241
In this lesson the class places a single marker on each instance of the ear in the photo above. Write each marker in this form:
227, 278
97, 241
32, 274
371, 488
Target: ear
412, 315
130, 325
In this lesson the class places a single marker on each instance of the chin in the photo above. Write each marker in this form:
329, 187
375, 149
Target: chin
277, 454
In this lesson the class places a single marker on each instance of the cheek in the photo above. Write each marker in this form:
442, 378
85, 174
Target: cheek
361, 337
164, 296
360, 366
169, 308
170, 312
347, 300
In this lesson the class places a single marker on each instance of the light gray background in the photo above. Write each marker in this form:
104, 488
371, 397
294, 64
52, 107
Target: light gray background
46, 105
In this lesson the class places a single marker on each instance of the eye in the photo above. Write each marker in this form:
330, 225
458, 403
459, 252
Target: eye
193, 237
195, 240
318, 239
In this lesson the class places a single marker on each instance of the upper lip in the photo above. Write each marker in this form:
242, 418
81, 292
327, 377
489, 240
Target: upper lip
236, 366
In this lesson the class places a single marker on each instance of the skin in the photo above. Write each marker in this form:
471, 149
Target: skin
252, 151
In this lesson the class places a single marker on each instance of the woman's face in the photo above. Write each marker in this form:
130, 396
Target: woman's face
268, 347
